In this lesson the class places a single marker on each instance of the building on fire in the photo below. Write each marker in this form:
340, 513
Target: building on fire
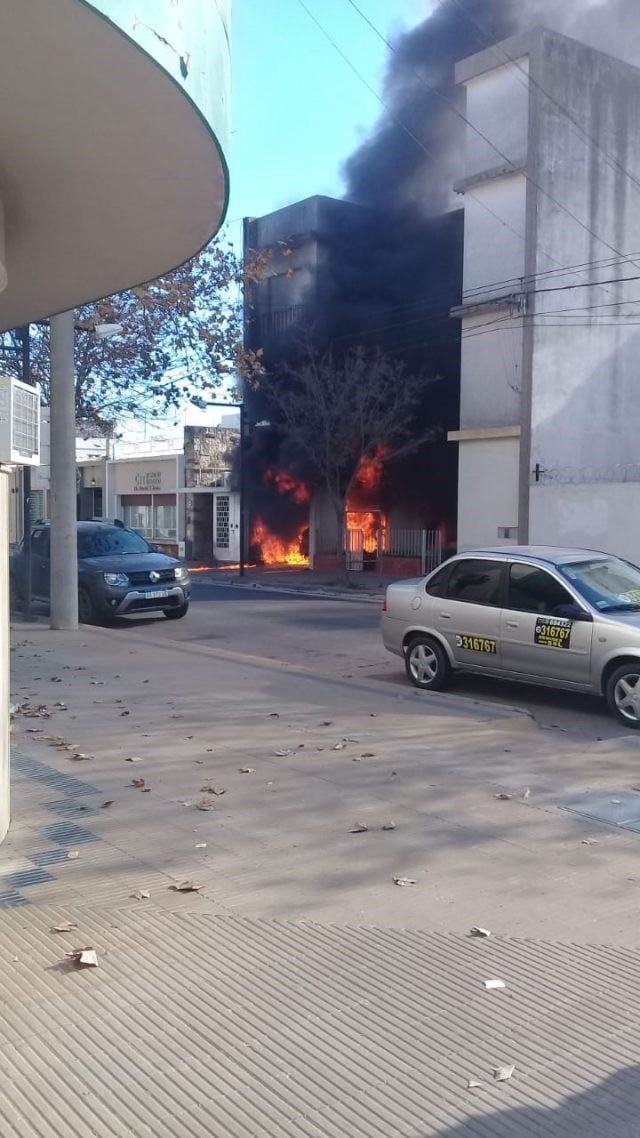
532, 373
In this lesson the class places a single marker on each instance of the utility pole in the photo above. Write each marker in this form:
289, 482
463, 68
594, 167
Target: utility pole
64, 539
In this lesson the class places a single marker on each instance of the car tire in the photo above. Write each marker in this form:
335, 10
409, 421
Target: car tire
622, 693
176, 613
426, 664
86, 609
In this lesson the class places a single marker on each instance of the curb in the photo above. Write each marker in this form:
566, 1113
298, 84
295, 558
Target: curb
323, 594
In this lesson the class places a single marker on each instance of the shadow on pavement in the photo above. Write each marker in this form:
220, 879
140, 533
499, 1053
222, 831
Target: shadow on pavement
609, 1110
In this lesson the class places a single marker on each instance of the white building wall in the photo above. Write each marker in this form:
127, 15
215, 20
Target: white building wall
494, 226
585, 411
488, 494
590, 516
487, 97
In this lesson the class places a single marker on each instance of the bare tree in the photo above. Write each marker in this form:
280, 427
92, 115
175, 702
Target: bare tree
337, 411
179, 335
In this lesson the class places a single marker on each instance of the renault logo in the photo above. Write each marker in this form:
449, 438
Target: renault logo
153, 576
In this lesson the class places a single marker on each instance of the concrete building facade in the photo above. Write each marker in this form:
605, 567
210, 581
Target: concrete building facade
549, 417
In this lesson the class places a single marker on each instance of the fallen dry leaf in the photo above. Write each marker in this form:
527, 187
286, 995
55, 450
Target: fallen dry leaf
501, 1074
368, 755
472, 1084
73, 855
141, 894
390, 825
84, 957
186, 887
493, 985
67, 927
503, 797
338, 747
138, 783
247, 770
274, 715
78, 757
109, 802
281, 754
217, 790
125, 713
359, 828
97, 683
479, 932
589, 841
402, 881
134, 759
201, 845
205, 804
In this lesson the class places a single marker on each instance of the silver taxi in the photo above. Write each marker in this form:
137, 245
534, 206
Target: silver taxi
566, 618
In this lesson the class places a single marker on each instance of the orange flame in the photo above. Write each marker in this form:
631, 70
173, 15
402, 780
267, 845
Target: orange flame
276, 550
369, 474
368, 522
285, 483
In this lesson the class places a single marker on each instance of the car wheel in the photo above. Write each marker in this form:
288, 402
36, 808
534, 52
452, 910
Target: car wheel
16, 602
176, 613
426, 664
623, 694
86, 608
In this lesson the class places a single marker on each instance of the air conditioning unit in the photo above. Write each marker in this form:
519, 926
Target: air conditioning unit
19, 423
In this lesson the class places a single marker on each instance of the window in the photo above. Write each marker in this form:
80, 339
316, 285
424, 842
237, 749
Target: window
40, 542
164, 521
151, 515
607, 583
437, 586
534, 590
476, 582
105, 541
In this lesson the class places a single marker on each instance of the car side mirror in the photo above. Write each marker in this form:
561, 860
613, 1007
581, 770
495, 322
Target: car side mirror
574, 612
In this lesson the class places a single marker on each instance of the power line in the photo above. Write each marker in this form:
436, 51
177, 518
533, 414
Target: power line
530, 80
397, 121
445, 99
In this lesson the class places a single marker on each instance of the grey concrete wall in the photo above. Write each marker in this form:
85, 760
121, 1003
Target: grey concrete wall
585, 407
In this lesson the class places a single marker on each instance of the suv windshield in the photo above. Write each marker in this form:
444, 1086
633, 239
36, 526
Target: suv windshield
607, 583
102, 542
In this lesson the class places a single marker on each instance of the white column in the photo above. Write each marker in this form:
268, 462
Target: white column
64, 540
4, 654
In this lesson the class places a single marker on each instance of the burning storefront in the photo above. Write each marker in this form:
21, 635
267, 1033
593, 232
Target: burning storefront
339, 275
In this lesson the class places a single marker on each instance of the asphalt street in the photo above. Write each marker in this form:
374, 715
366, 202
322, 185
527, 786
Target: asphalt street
340, 638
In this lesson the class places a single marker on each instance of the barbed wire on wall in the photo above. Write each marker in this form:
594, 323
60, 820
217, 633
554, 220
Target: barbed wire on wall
579, 475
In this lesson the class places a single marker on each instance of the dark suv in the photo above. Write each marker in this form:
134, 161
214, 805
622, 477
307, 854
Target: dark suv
118, 573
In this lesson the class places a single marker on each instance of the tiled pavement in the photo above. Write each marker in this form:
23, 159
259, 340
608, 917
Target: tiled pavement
299, 993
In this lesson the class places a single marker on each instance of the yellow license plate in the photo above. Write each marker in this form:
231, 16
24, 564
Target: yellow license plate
477, 644
553, 632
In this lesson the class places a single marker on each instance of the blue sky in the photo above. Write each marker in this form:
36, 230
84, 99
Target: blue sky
298, 111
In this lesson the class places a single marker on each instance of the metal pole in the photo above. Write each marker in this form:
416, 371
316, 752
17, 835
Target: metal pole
27, 557
242, 491
64, 541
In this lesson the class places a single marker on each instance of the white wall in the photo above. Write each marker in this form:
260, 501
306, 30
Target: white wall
491, 360
494, 226
592, 516
487, 97
585, 406
488, 491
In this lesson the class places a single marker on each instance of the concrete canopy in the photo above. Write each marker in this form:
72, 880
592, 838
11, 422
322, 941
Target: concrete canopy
111, 172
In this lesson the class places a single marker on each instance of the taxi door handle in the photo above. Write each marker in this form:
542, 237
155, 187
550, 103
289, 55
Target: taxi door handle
445, 616
512, 624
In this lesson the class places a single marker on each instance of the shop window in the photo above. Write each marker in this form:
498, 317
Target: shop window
154, 516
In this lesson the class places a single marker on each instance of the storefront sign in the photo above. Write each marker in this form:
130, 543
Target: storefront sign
146, 481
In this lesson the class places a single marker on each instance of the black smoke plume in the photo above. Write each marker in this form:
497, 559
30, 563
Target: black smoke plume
413, 157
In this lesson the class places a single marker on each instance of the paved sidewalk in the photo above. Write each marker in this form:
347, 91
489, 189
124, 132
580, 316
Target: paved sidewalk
299, 991
355, 586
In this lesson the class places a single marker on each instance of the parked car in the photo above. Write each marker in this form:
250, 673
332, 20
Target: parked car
565, 618
119, 573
